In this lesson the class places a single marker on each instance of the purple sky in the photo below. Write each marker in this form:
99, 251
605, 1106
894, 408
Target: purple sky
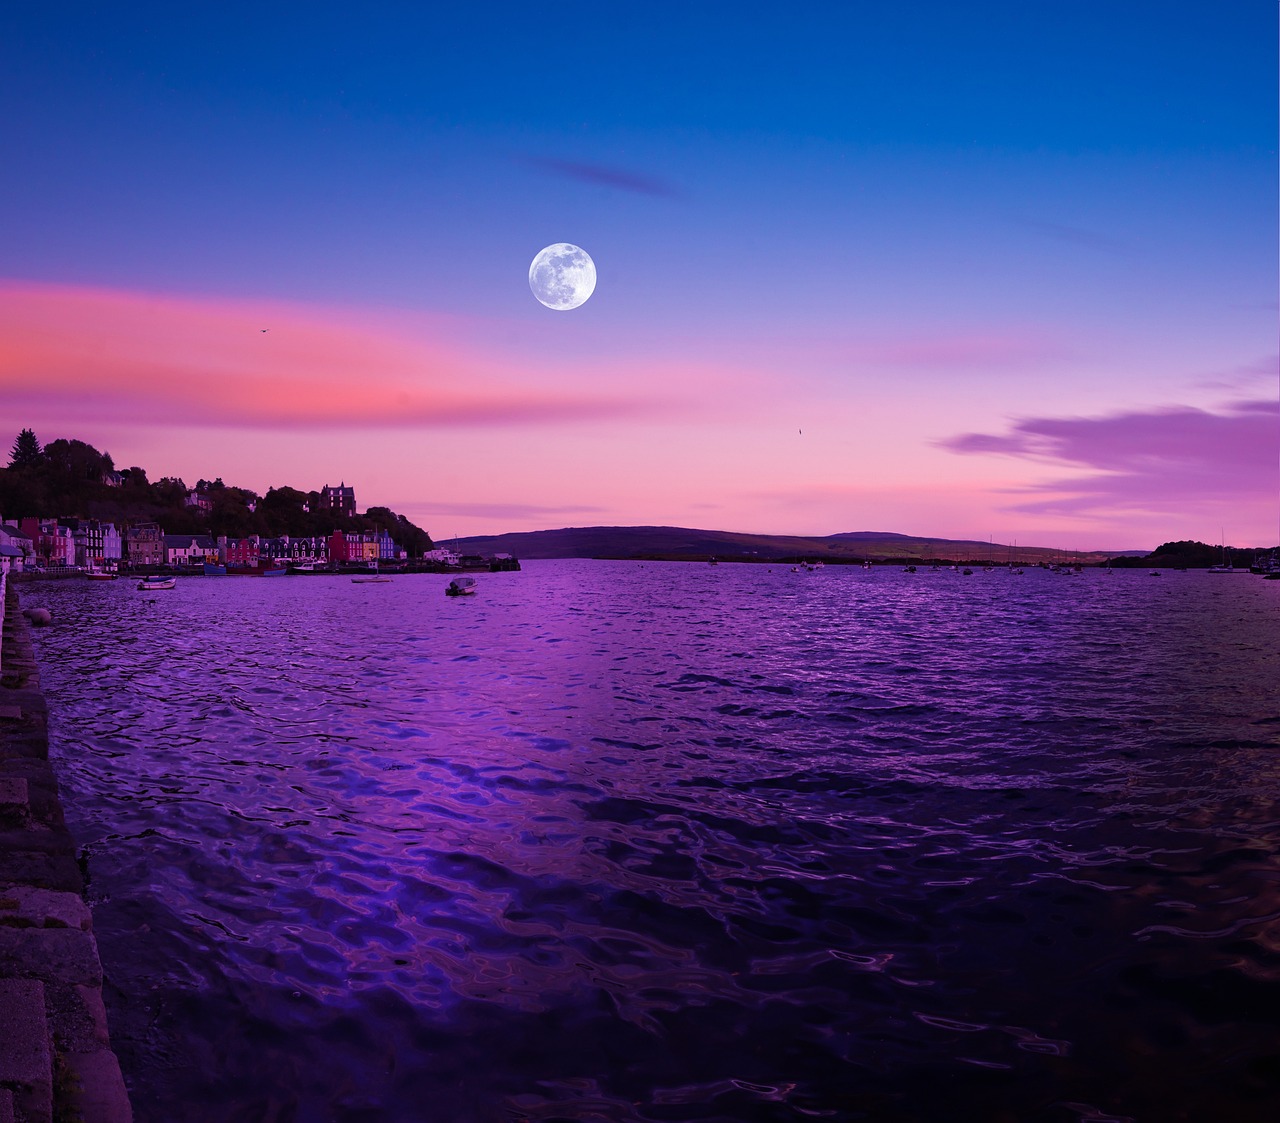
996, 270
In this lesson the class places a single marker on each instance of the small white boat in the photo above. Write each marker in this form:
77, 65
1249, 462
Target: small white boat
461, 587
147, 584
99, 575
371, 580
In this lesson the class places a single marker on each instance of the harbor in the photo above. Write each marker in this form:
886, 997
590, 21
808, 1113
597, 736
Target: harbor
56, 1061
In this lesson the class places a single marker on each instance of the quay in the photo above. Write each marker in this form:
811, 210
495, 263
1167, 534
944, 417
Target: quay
56, 1062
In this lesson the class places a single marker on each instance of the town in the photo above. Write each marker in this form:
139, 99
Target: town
65, 510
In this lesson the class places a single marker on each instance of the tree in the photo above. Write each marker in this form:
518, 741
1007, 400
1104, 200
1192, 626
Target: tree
26, 450
169, 491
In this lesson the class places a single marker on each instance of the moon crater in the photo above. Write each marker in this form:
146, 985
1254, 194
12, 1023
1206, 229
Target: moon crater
562, 276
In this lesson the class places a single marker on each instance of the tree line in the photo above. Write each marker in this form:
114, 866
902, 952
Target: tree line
64, 479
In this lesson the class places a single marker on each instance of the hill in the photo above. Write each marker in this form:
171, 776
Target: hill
69, 479
688, 544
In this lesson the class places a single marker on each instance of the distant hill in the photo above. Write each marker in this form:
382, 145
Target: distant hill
684, 543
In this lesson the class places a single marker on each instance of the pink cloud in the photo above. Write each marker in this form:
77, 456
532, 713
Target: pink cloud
103, 355
1163, 460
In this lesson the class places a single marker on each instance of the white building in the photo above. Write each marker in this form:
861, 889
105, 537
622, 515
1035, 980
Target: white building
441, 555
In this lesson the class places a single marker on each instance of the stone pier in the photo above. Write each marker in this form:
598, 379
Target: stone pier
56, 1063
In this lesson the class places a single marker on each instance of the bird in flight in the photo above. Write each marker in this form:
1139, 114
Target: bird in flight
266, 329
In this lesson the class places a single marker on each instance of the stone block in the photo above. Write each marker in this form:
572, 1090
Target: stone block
28, 701
10, 713
26, 1066
46, 871
53, 955
37, 840
100, 1095
6, 1106
25, 906
15, 801
26, 740
77, 1017
42, 786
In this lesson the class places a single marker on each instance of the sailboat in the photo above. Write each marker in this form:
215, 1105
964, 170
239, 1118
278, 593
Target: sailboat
1013, 559
1224, 566
375, 577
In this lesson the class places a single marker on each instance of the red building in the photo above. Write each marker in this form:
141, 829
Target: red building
241, 551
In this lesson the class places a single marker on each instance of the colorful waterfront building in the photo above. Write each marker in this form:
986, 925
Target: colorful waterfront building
17, 547
286, 548
53, 543
239, 551
338, 546
144, 545
97, 544
189, 550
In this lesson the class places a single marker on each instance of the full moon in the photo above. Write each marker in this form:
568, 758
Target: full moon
562, 276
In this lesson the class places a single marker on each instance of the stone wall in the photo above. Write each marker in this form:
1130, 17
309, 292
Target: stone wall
56, 1063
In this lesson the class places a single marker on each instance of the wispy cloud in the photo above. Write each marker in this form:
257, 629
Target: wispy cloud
1074, 235
1245, 377
1158, 461
103, 355
604, 176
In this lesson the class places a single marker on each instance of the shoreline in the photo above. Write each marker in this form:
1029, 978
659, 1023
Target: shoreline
56, 1061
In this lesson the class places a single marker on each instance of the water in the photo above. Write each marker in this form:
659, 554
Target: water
614, 841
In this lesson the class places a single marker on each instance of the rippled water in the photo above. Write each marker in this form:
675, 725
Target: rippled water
614, 841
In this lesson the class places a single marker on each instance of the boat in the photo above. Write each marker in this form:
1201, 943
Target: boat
212, 569
461, 587
1224, 566
148, 584
99, 575
371, 580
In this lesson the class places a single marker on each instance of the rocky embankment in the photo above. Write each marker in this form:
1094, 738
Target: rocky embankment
56, 1063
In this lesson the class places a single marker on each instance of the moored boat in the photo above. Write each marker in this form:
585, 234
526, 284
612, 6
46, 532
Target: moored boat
148, 584
461, 587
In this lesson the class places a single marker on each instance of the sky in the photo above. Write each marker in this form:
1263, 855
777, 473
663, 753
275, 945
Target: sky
972, 270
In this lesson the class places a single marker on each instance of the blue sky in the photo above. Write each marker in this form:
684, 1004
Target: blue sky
897, 222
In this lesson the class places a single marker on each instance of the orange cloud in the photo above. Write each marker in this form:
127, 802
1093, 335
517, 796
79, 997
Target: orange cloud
108, 355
